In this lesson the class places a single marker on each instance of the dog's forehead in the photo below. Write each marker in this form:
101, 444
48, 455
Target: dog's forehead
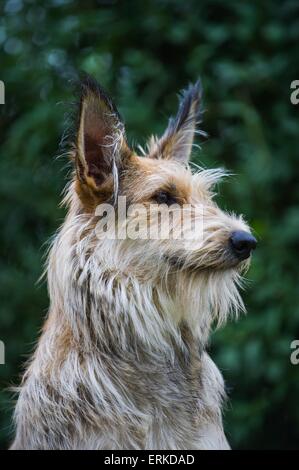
148, 174
145, 176
162, 170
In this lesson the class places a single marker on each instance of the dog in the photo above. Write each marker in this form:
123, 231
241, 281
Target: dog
121, 362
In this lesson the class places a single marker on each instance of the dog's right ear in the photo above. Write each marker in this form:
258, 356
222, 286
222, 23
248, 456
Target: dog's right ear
101, 147
177, 140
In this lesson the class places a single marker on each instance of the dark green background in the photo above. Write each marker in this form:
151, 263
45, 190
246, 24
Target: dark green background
144, 52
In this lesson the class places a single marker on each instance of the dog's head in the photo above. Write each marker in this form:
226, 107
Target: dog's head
152, 216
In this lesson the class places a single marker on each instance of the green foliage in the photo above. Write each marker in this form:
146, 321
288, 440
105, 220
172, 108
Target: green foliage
143, 52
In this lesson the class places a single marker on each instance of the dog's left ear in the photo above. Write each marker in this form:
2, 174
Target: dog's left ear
176, 142
101, 147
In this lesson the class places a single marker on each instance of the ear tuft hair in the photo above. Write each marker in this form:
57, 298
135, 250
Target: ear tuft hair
189, 108
89, 86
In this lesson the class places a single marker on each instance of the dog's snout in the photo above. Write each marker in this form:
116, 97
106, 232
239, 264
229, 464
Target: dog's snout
242, 243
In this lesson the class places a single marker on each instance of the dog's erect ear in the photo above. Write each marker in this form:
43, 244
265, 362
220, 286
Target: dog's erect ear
101, 147
176, 142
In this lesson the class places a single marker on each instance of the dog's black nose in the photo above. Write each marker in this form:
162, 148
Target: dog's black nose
242, 244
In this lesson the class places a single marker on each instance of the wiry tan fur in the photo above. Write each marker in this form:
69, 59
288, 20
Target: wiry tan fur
121, 362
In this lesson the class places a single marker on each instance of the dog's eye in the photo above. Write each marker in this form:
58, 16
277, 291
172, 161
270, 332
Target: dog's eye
163, 197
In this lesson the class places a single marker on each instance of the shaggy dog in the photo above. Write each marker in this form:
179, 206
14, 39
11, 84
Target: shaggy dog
121, 362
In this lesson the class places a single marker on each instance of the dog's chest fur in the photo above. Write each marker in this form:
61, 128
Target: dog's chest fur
99, 398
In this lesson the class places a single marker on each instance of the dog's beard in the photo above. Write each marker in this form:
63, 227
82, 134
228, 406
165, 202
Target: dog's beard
207, 296
218, 261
